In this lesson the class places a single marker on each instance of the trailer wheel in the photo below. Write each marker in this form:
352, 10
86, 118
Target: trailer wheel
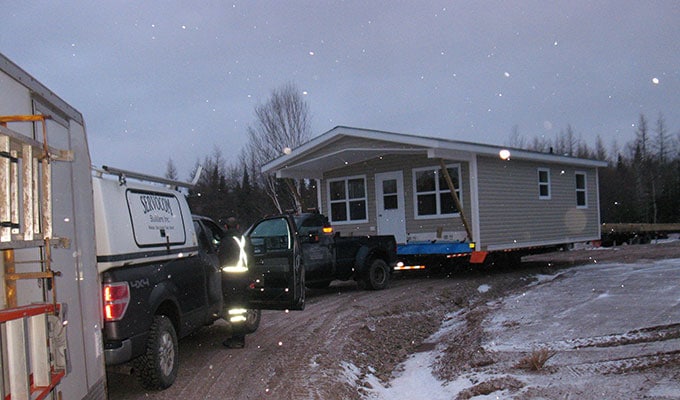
252, 321
378, 275
157, 367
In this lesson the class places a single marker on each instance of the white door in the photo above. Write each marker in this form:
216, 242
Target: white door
389, 193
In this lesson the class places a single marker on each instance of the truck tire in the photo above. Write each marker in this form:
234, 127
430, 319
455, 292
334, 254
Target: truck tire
252, 321
378, 275
299, 286
157, 367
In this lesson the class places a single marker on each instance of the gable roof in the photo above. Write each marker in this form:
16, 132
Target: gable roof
344, 145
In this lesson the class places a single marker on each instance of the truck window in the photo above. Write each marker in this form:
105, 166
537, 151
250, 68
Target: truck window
271, 234
311, 224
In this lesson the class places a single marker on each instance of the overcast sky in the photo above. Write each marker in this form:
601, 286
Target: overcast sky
171, 79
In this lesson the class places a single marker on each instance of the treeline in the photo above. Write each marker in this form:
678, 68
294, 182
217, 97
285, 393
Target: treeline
237, 190
641, 183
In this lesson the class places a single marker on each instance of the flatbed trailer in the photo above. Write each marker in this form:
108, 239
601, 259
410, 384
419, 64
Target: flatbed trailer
437, 254
635, 233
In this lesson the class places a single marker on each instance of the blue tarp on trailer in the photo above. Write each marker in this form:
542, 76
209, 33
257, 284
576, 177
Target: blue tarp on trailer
433, 248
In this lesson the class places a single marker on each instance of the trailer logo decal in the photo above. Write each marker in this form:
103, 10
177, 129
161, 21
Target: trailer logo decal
156, 218
155, 203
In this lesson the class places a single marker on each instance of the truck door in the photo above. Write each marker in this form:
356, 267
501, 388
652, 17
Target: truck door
209, 236
318, 249
275, 267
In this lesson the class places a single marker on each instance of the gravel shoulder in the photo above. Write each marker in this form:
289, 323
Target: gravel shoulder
346, 337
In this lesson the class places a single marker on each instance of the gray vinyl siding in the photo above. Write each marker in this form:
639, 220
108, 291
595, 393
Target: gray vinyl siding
511, 214
405, 164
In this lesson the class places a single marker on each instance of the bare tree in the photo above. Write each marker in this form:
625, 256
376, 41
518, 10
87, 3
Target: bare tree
663, 141
516, 139
171, 170
282, 123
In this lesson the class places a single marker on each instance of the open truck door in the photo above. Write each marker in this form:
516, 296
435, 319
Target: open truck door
274, 262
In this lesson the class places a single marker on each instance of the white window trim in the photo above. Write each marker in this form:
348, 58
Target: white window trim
347, 200
584, 190
538, 177
437, 192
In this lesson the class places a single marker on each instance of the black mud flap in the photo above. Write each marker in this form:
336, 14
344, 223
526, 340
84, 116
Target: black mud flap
275, 268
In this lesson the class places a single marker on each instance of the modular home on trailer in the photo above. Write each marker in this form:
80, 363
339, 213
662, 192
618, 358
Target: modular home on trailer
375, 182
50, 299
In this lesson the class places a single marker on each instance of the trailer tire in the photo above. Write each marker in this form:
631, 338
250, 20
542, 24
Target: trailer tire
377, 276
157, 367
252, 321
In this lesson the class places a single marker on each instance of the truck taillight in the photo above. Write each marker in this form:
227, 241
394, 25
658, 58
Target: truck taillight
116, 300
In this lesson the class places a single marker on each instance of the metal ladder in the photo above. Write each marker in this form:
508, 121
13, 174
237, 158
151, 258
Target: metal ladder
30, 368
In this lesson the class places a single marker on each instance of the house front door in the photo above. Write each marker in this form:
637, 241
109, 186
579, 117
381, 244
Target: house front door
389, 190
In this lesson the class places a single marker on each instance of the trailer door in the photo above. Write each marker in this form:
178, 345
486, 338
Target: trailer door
275, 267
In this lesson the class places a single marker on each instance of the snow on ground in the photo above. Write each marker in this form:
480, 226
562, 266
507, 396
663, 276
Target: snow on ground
605, 324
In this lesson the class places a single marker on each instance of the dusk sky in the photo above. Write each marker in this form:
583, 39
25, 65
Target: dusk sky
176, 79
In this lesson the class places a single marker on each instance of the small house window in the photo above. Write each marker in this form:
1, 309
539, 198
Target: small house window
544, 184
347, 200
432, 195
581, 193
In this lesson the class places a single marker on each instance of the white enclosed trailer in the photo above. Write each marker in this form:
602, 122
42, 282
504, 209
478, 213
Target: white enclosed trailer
50, 294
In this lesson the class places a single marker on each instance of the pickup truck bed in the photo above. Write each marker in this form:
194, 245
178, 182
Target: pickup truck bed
367, 259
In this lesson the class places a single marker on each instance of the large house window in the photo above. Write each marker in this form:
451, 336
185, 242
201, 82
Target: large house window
581, 193
544, 184
432, 195
347, 199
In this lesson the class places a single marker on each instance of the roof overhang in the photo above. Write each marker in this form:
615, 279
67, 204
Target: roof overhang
323, 153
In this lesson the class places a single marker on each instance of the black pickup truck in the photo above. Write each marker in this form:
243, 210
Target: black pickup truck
149, 306
288, 252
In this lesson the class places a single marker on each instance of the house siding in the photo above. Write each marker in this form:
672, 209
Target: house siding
511, 215
449, 228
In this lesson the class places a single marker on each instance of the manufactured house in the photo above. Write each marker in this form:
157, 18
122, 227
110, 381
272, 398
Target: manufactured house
375, 182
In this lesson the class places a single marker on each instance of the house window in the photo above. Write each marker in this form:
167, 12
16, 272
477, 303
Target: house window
432, 195
347, 199
581, 193
544, 184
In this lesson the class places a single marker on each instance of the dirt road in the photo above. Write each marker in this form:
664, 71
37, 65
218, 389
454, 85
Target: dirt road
307, 355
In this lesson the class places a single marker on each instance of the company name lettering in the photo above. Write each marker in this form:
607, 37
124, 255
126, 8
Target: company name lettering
155, 203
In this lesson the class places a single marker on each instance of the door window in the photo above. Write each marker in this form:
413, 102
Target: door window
390, 198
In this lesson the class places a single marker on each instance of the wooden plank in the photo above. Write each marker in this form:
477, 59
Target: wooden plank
5, 195
39, 350
17, 351
27, 190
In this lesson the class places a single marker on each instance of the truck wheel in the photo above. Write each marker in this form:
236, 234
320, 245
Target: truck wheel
378, 275
157, 367
252, 321
301, 287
